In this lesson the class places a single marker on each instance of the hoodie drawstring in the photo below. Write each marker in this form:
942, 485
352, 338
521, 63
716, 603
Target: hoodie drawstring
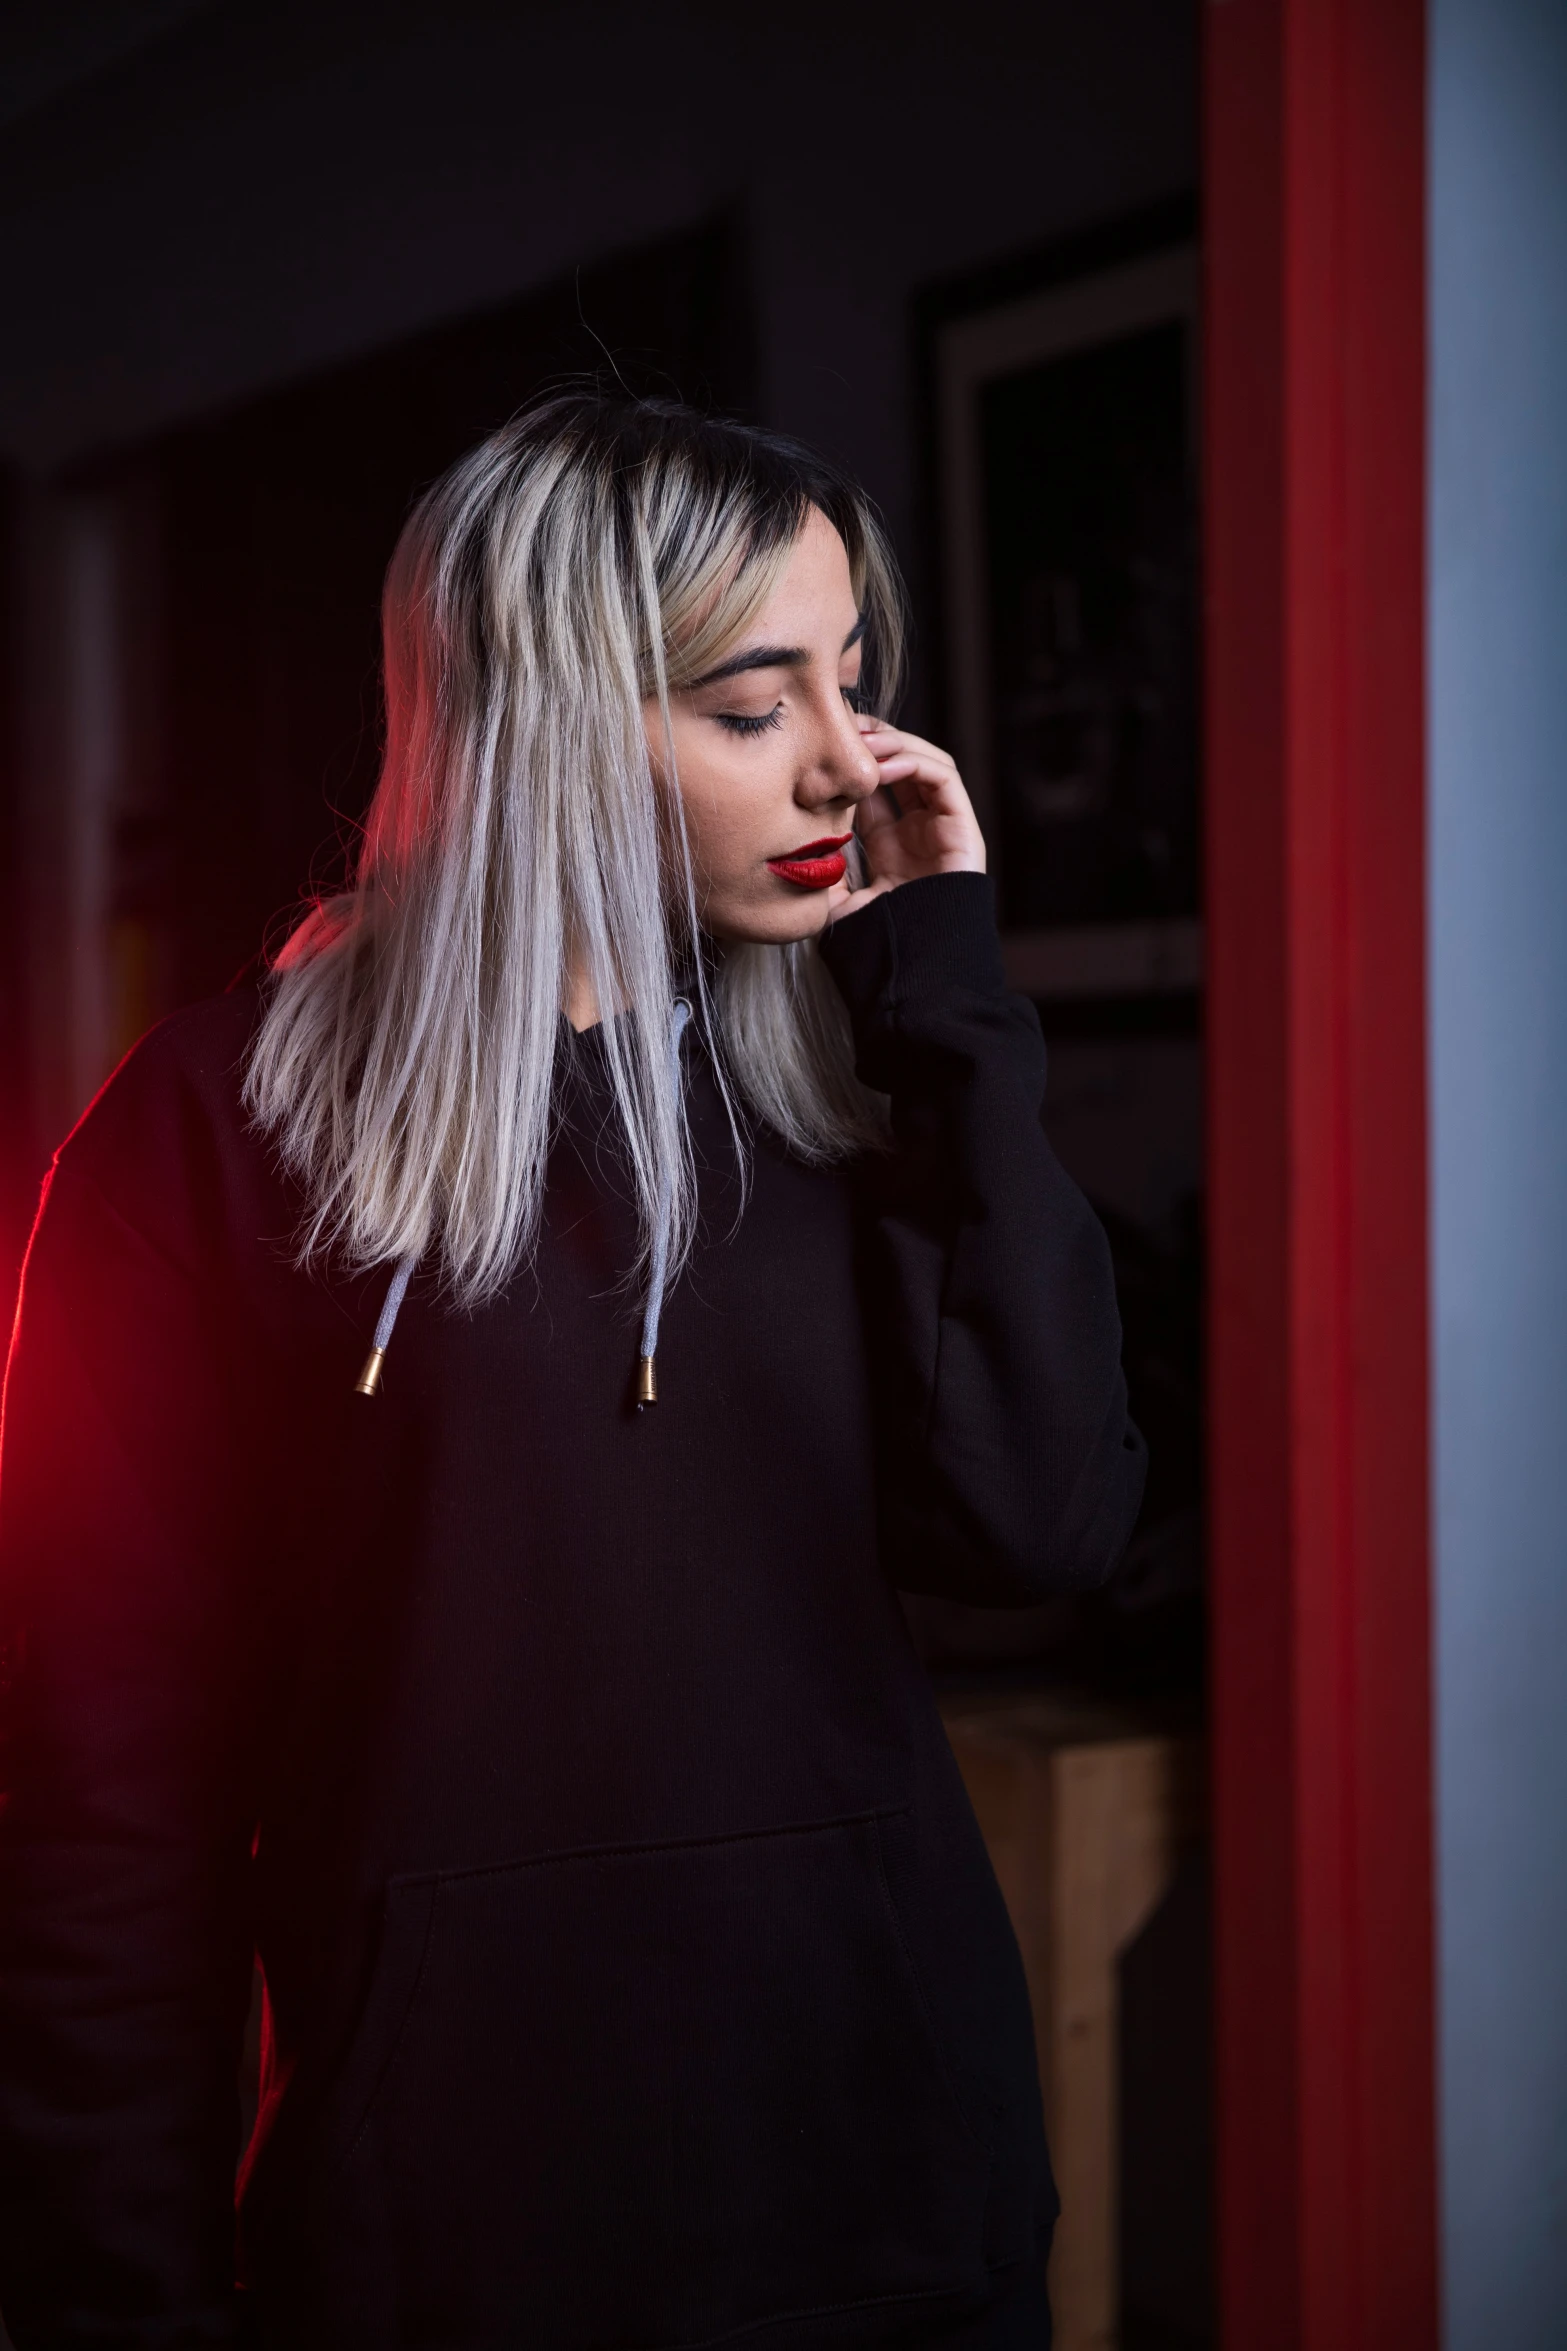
647, 1368
397, 1289
369, 1379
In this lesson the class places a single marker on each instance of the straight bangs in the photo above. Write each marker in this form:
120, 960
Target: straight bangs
594, 554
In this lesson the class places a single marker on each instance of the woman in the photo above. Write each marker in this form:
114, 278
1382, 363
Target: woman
535, 1699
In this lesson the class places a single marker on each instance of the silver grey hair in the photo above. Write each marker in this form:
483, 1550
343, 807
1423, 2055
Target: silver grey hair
591, 555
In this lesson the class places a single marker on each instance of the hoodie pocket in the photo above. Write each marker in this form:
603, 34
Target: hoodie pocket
655, 2096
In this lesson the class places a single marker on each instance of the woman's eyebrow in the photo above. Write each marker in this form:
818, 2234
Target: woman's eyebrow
769, 657
759, 657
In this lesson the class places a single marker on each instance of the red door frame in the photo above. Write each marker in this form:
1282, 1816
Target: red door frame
1314, 218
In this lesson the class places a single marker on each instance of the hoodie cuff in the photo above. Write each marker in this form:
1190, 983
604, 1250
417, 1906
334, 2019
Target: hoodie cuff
931, 939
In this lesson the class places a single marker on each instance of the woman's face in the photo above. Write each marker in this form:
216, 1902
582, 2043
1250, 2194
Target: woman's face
771, 756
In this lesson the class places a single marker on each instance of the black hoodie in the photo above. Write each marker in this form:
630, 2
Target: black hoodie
636, 1976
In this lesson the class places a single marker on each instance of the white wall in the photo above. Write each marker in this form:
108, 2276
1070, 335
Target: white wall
1498, 1011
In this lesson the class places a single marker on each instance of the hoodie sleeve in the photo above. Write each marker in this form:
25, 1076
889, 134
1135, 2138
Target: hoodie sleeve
125, 1835
1008, 1466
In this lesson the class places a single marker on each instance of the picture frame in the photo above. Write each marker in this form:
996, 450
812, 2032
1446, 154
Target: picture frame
1063, 423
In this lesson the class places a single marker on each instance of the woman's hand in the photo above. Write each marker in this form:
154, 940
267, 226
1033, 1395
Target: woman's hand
920, 820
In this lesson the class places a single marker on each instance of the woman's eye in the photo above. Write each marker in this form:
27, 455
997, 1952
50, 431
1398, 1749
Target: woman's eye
738, 724
855, 697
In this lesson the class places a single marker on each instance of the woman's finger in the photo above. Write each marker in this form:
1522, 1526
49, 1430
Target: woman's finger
937, 780
916, 745
921, 819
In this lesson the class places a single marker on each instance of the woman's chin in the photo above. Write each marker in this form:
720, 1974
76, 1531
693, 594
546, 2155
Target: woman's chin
780, 923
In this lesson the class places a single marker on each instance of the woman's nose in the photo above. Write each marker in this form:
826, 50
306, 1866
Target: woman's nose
844, 768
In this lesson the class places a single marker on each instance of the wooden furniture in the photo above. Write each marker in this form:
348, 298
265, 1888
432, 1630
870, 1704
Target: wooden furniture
1085, 1808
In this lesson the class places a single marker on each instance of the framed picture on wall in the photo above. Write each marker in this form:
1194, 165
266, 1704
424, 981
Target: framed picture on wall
1064, 425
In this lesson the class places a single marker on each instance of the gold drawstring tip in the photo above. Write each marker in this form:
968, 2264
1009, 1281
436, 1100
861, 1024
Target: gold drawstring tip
370, 1378
647, 1381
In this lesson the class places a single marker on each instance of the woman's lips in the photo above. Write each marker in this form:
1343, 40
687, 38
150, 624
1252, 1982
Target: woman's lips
815, 867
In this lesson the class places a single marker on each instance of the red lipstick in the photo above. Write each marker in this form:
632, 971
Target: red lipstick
816, 866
